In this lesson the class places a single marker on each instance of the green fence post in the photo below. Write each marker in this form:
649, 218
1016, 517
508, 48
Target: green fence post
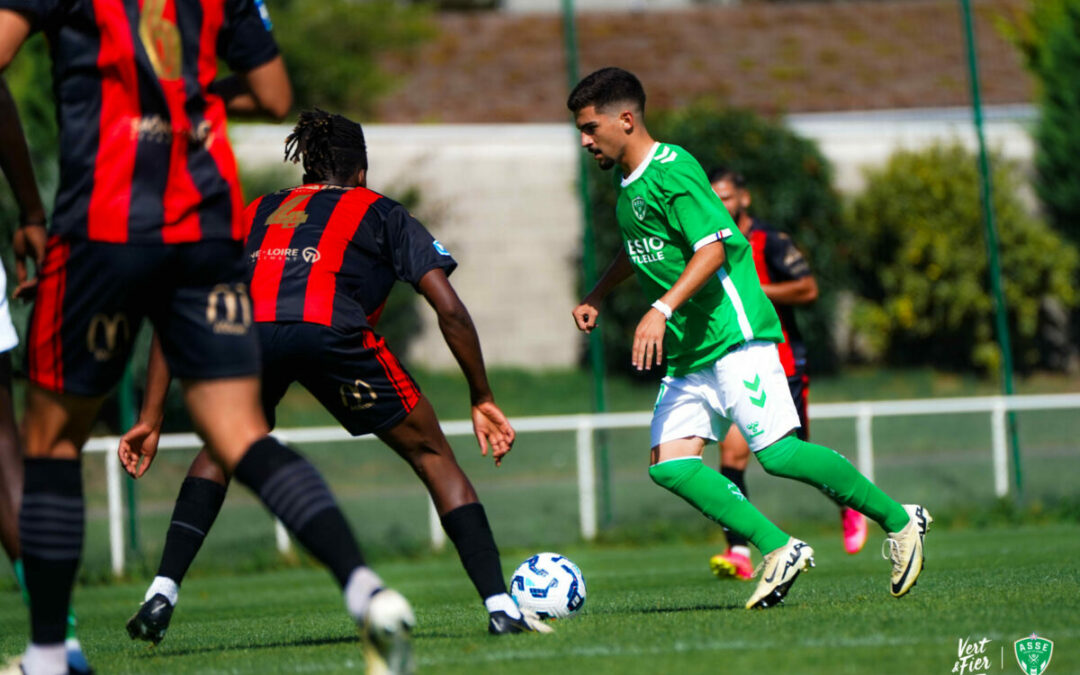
596, 339
994, 265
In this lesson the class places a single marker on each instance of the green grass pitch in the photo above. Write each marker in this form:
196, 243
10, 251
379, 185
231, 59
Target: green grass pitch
653, 609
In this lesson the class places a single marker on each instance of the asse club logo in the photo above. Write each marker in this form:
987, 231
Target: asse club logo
1033, 654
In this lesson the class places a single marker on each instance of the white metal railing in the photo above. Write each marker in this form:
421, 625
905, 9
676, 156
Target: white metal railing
863, 412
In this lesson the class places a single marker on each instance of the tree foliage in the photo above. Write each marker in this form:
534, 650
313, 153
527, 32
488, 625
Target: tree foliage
790, 184
918, 256
331, 48
1048, 36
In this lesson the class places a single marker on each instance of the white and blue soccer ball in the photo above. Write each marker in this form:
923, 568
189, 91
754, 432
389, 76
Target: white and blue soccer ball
549, 585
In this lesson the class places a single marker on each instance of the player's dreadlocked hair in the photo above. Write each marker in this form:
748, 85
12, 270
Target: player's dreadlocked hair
331, 146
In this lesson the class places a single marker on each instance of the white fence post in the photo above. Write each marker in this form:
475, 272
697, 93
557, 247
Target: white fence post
586, 470
862, 412
438, 534
865, 440
998, 446
116, 513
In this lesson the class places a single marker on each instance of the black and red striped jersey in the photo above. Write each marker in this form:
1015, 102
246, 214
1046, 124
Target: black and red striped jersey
330, 255
144, 156
778, 259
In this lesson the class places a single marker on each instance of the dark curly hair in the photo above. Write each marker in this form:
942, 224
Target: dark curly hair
331, 147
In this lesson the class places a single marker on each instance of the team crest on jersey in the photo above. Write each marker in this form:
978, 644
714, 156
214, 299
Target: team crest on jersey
639, 207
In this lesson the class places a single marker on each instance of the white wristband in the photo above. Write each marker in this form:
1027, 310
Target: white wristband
663, 308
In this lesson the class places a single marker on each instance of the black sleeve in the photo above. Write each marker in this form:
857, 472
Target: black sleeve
244, 41
41, 13
786, 262
412, 250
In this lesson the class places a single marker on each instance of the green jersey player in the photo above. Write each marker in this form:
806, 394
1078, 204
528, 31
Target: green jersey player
719, 332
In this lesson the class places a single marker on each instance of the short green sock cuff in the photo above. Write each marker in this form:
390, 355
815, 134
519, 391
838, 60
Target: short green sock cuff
674, 472
20, 576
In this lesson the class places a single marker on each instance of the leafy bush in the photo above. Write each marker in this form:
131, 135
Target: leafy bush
1048, 36
331, 48
790, 182
918, 255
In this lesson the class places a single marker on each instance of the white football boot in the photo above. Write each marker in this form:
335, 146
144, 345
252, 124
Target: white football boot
386, 632
778, 572
905, 550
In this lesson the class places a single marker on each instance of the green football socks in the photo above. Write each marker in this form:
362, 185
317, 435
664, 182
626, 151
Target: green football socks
717, 497
833, 474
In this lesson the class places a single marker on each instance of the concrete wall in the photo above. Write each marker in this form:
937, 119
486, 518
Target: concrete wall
503, 200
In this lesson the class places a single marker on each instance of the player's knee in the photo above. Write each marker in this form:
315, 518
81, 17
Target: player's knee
775, 458
673, 473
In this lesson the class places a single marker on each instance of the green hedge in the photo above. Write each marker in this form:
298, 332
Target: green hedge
918, 257
1048, 36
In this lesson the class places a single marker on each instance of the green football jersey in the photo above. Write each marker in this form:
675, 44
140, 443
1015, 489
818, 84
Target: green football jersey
666, 211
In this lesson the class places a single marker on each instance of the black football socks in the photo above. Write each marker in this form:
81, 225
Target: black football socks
736, 476
51, 525
294, 491
467, 526
197, 506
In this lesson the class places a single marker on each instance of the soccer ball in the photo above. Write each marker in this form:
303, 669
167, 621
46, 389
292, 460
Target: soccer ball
549, 585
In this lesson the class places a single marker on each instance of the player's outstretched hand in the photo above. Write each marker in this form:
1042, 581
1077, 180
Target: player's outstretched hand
585, 315
29, 241
138, 447
492, 428
649, 340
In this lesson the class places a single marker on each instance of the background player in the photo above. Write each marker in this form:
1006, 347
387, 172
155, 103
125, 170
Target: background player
722, 361
16, 165
315, 311
147, 224
787, 281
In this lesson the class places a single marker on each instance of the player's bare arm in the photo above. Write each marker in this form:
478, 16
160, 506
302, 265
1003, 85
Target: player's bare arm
648, 345
139, 445
29, 239
489, 423
797, 292
618, 271
264, 91
14, 29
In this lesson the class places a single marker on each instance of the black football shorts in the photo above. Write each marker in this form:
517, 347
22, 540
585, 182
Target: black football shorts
352, 373
92, 297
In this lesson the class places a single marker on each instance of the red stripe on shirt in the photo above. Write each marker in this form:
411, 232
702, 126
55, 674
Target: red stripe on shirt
45, 344
118, 127
181, 200
217, 143
757, 248
339, 231
248, 219
266, 277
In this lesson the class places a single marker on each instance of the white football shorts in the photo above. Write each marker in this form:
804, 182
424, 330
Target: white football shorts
746, 386
8, 337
